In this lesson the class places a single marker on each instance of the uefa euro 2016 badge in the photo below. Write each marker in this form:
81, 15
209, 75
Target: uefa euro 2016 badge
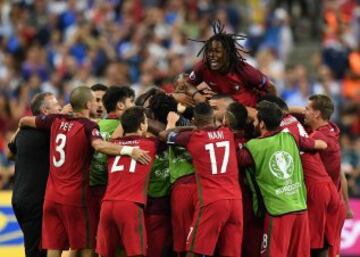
281, 165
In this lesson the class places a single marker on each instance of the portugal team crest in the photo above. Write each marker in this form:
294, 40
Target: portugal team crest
281, 165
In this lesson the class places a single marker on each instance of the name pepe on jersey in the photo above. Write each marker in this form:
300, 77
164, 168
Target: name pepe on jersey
66, 126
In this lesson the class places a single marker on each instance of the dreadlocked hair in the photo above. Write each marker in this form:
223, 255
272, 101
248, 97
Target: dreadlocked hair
230, 43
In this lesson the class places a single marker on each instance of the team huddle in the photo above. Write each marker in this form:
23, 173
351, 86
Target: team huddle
221, 168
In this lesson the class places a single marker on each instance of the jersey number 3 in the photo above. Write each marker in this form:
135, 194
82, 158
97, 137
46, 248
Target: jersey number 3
60, 142
212, 152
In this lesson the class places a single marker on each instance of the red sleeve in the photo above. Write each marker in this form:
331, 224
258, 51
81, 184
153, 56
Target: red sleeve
316, 135
92, 130
306, 143
196, 75
254, 78
244, 158
45, 121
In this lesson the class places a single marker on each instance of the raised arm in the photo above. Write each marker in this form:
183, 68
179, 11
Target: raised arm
195, 94
296, 110
187, 92
172, 118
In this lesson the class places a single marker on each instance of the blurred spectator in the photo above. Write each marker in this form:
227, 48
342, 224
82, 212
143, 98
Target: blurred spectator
34, 64
116, 73
7, 168
335, 56
5, 114
298, 88
328, 85
351, 163
271, 66
278, 35
351, 86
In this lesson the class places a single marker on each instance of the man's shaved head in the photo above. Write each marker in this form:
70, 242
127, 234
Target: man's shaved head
79, 97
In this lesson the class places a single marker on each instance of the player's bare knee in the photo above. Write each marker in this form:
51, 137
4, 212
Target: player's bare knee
86, 253
54, 253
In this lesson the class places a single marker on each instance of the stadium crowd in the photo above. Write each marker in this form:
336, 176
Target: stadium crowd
59, 46
55, 46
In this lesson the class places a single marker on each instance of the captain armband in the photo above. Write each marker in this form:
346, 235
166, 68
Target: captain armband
171, 138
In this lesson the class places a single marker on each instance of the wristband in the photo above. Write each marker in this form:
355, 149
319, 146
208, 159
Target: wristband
126, 150
192, 96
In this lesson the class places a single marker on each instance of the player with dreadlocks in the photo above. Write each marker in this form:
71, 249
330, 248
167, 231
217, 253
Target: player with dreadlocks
225, 71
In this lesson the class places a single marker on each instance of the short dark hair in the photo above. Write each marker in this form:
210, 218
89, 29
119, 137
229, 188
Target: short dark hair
237, 115
161, 104
115, 94
203, 113
98, 87
324, 104
270, 114
132, 118
79, 97
37, 102
276, 100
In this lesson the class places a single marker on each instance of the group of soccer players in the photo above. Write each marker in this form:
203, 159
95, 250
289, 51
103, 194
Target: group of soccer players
224, 168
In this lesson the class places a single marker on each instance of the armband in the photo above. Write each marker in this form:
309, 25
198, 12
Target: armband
171, 138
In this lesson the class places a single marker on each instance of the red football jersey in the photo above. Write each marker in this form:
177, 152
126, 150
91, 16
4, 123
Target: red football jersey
244, 86
331, 157
128, 179
70, 156
313, 167
240, 140
214, 158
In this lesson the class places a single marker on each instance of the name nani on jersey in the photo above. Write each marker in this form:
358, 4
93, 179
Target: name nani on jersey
215, 135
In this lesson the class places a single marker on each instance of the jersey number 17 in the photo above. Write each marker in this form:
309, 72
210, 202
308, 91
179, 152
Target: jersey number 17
213, 153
